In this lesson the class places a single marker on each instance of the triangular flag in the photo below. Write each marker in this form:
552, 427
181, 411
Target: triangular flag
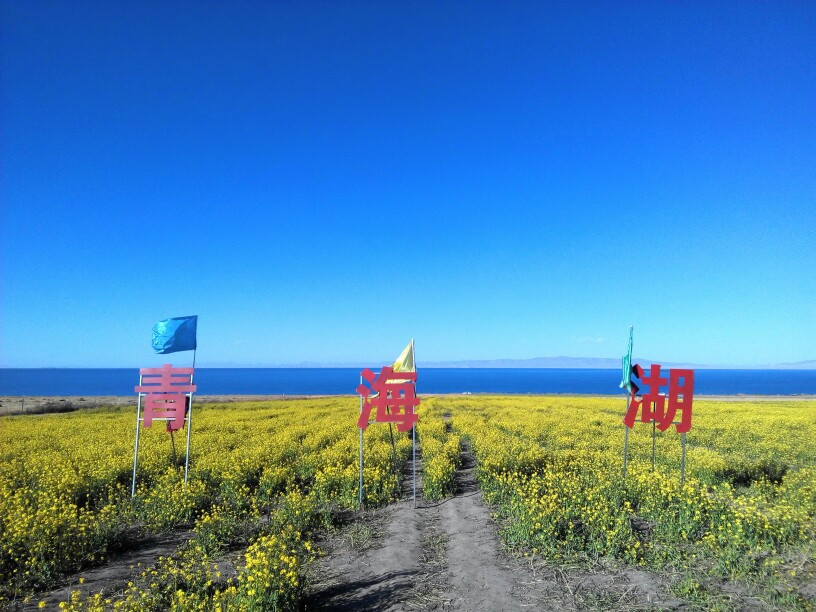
405, 362
626, 379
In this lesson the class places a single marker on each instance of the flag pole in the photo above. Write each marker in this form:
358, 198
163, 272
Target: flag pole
625, 442
136, 445
360, 488
413, 429
189, 423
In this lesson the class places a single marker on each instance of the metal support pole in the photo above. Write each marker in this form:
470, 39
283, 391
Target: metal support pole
394, 453
653, 445
625, 441
189, 424
683, 462
413, 429
189, 429
413, 444
625, 449
360, 487
173, 447
136, 445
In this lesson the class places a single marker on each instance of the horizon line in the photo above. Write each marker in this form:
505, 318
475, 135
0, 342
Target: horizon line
557, 362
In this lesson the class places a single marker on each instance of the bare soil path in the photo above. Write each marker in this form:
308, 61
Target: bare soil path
481, 575
381, 567
439, 556
448, 556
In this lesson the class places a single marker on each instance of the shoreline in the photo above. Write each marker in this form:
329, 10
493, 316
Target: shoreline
23, 404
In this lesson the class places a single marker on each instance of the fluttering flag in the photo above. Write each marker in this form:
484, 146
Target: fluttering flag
405, 362
626, 380
173, 335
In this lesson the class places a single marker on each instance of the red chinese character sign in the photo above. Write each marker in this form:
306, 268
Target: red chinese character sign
165, 393
390, 397
394, 399
657, 408
653, 405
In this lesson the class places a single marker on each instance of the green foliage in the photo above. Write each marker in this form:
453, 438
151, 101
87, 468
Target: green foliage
552, 469
258, 469
440, 456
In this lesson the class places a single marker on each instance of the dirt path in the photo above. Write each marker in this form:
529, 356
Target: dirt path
375, 564
480, 575
443, 555
448, 556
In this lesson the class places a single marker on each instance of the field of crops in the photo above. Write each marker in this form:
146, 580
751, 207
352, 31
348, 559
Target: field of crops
744, 519
265, 476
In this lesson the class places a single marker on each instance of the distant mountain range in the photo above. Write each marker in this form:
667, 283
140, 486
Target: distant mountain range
600, 363
607, 363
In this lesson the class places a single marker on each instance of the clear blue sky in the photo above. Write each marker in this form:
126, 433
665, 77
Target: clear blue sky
325, 181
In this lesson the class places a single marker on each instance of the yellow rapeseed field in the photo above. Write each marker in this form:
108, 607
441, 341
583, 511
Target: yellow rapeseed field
551, 466
265, 475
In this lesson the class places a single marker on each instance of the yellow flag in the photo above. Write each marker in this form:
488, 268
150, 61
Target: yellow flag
405, 362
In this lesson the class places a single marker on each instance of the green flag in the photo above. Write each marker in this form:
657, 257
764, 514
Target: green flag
626, 380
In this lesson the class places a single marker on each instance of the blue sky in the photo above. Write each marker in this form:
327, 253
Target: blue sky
325, 181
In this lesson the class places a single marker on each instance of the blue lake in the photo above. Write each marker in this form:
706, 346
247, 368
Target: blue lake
330, 381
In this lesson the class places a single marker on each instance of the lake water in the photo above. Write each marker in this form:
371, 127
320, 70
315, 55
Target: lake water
330, 381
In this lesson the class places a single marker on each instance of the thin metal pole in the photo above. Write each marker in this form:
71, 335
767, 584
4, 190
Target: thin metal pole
683, 462
189, 425
393, 453
136, 445
413, 429
189, 429
173, 445
625, 442
413, 445
653, 444
360, 487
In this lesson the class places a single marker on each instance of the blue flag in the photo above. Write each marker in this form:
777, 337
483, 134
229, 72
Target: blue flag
173, 335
